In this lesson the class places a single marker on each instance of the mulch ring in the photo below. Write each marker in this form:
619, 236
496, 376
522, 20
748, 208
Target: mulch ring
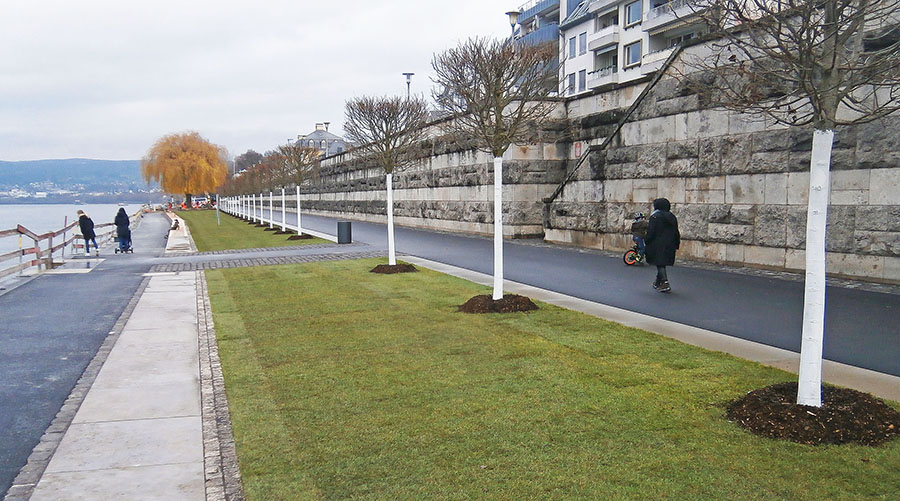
389, 269
509, 303
846, 416
304, 236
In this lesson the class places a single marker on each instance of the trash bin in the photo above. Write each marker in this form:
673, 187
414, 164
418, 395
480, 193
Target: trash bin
344, 232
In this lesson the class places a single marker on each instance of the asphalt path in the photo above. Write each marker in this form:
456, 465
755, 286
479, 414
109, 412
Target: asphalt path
52, 327
862, 327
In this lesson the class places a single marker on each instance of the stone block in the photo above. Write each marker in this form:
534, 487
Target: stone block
711, 251
795, 259
734, 253
844, 159
881, 243
892, 269
798, 161
630, 134
745, 189
770, 227
693, 221
839, 229
682, 149
878, 144
743, 123
855, 265
857, 179
771, 140
776, 189
681, 128
619, 190
883, 186
742, 214
651, 160
798, 188
765, 256
731, 233
682, 167
849, 197
707, 123
769, 161
709, 160
672, 189
704, 196
658, 130
705, 183
878, 218
735, 154
719, 213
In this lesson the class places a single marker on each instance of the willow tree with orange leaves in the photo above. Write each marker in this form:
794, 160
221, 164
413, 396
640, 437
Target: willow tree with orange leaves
185, 163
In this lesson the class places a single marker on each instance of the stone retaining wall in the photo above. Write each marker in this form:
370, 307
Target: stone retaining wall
738, 186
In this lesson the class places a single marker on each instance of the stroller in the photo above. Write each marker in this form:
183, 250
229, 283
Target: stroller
124, 240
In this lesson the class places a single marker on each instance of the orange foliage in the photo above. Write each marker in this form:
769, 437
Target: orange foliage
185, 163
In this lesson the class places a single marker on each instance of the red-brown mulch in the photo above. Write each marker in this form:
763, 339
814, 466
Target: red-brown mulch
846, 416
389, 269
509, 303
304, 236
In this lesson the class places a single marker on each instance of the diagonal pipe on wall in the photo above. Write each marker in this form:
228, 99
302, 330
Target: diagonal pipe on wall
602, 146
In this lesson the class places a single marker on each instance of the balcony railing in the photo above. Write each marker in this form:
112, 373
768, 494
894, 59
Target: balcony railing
667, 13
603, 76
535, 7
546, 33
603, 38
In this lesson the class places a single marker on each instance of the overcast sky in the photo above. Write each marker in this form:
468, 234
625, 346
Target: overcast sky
105, 79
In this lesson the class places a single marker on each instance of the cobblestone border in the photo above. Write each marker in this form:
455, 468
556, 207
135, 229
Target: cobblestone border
263, 261
222, 473
263, 249
26, 480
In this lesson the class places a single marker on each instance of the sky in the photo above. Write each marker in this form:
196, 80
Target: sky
106, 79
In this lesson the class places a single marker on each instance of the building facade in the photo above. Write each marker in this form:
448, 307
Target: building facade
610, 42
326, 142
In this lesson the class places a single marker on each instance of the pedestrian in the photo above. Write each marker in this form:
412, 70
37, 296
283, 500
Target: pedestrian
123, 233
87, 231
662, 240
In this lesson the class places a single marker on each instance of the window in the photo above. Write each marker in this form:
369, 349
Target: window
322, 144
582, 43
571, 87
633, 54
582, 80
633, 13
572, 47
603, 22
312, 144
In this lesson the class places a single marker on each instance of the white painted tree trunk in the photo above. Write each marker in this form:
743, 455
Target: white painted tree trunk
392, 256
809, 391
299, 227
498, 228
283, 212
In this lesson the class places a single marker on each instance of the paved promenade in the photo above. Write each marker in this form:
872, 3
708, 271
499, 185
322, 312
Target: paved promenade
147, 418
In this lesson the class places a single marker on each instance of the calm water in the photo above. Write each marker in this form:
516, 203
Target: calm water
42, 218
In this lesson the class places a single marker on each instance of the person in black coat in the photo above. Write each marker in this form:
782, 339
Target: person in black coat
662, 240
122, 231
86, 224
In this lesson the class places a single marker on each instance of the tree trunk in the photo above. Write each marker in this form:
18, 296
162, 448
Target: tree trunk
498, 228
392, 256
187, 200
809, 391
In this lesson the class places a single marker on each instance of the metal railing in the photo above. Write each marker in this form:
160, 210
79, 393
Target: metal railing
666, 8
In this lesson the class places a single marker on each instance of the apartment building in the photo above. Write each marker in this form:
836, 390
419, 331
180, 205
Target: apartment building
607, 42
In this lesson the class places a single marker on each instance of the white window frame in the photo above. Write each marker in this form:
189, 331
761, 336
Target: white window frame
582, 80
570, 83
625, 51
640, 13
572, 47
582, 44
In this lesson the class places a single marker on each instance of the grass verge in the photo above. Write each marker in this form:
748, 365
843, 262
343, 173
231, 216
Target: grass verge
233, 233
343, 383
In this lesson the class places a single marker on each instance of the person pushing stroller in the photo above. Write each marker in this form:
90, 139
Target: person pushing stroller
123, 232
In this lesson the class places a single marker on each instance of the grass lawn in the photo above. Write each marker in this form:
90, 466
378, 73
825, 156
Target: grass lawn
233, 233
343, 383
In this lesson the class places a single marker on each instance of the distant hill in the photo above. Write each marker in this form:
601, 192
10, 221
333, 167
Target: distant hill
74, 173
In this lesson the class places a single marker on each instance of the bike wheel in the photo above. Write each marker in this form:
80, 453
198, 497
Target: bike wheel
630, 257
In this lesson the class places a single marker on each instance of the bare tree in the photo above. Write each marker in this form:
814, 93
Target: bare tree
387, 129
301, 162
246, 160
496, 93
803, 62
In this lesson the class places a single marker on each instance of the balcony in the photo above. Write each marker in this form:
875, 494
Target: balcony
603, 76
546, 33
601, 5
604, 38
653, 61
666, 14
536, 8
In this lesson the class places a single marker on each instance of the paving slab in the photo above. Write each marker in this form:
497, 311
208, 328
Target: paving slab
146, 483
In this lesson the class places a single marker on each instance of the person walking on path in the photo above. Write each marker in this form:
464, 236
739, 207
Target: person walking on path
123, 233
87, 231
662, 240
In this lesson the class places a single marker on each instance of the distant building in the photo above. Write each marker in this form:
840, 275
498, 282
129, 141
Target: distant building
327, 143
606, 42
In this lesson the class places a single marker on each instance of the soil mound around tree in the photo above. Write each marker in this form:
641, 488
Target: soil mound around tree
846, 416
509, 303
304, 236
389, 269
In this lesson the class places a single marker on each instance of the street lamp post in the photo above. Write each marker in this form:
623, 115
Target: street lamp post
408, 80
513, 21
